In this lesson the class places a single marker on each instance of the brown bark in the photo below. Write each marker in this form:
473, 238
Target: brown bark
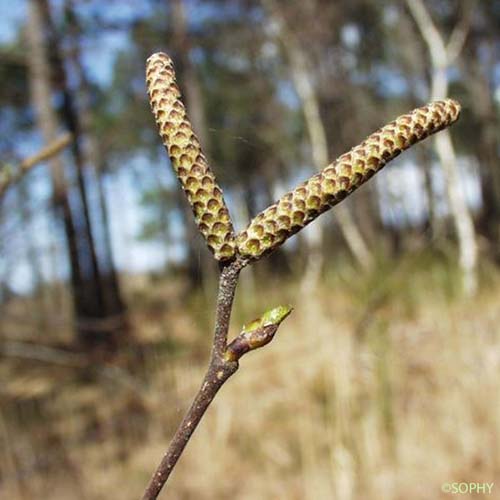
69, 117
96, 164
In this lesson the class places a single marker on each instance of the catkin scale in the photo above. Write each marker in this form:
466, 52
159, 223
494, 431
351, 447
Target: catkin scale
187, 158
299, 207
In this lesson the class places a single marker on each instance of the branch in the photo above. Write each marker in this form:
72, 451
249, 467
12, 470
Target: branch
442, 54
10, 176
459, 33
227, 287
61, 357
429, 32
218, 372
266, 231
223, 364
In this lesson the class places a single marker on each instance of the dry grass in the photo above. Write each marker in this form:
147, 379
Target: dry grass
368, 392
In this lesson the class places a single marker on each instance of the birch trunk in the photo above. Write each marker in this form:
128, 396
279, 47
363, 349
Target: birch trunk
304, 86
442, 56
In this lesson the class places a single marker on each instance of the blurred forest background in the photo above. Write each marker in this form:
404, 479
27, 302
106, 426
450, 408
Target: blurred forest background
384, 381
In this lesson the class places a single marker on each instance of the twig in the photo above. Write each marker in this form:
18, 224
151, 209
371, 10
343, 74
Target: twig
227, 287
459, 34
60, 357
266, 231
223, 364
219, 370
9, 176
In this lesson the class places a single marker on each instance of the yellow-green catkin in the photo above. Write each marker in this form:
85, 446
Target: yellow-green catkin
301, 206
187, 158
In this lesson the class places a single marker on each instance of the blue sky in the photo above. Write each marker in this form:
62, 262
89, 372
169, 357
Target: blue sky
126, 216
402, 196
12, 14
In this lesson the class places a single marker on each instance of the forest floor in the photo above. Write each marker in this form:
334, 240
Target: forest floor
376, 387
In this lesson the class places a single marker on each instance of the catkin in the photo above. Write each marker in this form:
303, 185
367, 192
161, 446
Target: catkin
301, 206
187, 158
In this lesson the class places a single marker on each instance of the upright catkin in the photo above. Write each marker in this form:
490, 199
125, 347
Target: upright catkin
299, 207
187, 158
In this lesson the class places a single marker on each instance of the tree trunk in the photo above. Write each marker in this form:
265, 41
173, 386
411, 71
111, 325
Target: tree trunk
93, 157
92, 322
463, 220
487, 147
433, 225
71, 120
302, 80
441, 57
